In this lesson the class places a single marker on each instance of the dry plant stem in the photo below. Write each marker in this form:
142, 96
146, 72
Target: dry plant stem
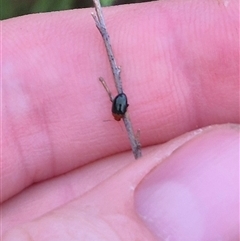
106, 88
135, 144
100, 23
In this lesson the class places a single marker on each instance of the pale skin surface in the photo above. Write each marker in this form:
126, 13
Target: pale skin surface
180, 72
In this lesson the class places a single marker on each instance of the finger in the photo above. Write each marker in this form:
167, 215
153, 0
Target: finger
193, 195
55, 108
50, 198
117, 207
43, 197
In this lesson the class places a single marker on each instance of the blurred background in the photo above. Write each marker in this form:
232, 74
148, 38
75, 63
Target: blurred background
14, 8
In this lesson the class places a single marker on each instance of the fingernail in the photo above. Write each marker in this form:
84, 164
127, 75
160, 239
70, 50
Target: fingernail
193, 194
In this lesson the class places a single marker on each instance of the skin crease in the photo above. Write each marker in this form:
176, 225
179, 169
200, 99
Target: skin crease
180, 71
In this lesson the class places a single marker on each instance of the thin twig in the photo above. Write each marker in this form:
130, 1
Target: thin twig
106, 88
100, 23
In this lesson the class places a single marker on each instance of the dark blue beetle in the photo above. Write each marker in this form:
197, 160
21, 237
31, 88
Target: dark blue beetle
119, 106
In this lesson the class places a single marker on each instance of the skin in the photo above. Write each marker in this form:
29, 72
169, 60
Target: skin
67, 170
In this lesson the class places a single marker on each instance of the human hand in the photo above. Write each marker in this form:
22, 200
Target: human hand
68, 173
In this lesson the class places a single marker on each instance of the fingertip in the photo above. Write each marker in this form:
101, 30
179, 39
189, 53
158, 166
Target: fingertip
193, 194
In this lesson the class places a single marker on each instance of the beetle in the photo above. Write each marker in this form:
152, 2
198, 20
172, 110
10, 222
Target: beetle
119, 103
119, 106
